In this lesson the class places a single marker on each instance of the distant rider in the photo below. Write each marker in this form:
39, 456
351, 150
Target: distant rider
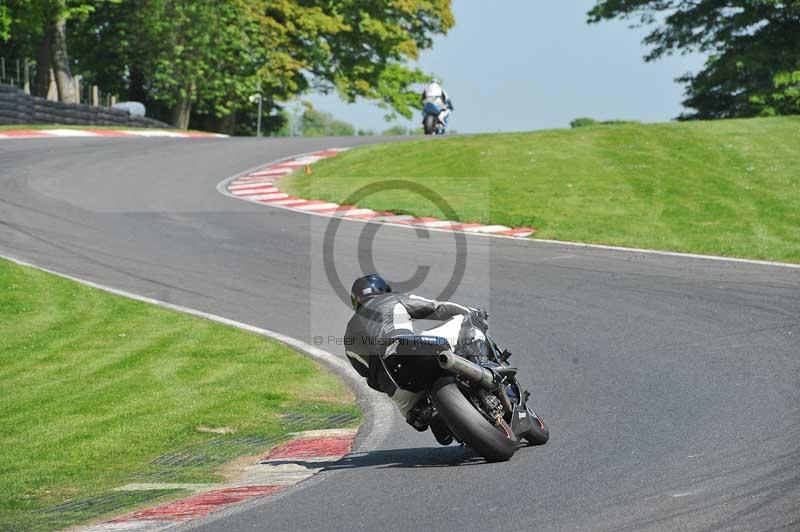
382, 315
434, 93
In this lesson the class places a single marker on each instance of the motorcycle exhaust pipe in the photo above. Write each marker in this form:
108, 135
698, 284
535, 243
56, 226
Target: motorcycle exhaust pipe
469, 370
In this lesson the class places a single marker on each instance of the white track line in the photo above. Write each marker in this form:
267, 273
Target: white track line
394, 218
317, 206
488, 229
666, 253
438, 223
271, 172
252, 186
289, 202
267, 197
352, 212
71, 133
255, 191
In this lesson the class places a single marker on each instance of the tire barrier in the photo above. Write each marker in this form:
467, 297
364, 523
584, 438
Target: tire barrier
16, 107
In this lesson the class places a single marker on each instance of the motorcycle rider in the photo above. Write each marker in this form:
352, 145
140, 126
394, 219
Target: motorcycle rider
434, 93
381, 316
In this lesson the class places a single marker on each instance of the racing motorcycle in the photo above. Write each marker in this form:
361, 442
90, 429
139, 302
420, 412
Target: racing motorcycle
475, 393
430, 119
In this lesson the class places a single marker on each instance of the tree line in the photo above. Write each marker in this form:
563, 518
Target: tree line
306, 121
753, 47
195, 63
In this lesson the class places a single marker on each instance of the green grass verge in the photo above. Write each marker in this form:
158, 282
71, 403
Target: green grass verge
728, 187
97, 391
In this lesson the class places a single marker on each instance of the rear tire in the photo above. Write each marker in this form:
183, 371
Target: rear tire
429, 124
469, 424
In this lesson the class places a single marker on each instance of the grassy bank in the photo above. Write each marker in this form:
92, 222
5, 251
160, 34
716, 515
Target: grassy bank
727, 187
97, 391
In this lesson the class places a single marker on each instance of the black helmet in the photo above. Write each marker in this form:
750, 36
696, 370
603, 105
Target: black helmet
367, 287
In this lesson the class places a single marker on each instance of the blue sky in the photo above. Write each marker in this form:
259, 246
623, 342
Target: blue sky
516, 65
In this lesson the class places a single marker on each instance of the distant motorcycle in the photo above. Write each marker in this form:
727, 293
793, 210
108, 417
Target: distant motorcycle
430, 119
476, 393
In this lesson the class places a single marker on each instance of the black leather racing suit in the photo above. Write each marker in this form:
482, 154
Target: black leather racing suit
382, 318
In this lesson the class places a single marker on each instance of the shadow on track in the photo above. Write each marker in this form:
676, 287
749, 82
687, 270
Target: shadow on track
405, 458
415, 457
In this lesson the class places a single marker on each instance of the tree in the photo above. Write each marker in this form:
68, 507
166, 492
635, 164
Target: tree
109, 48
198, 61
784, 99
21, 31
394, 31
5, 22
753, 47
313, 123
586, 122
356, 48
582, 122
211, 55
39, 27
395, 130
55, 30
182, 58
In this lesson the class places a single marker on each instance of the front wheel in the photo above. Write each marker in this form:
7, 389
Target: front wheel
429, 124
496, 444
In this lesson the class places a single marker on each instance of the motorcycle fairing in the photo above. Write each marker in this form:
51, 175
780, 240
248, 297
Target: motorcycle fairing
412, 362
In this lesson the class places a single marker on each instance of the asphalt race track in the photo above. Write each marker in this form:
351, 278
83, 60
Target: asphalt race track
671, 385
